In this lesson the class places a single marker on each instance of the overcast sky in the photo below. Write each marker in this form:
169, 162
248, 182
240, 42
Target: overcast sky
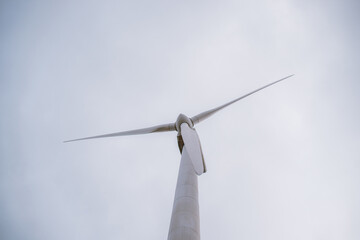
282, 164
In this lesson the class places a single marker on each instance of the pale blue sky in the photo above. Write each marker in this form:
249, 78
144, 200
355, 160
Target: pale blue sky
282, 164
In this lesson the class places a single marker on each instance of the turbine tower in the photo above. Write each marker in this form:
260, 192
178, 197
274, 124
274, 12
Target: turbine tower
185, 220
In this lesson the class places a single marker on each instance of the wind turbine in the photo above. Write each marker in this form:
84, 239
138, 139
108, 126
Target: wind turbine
185, 221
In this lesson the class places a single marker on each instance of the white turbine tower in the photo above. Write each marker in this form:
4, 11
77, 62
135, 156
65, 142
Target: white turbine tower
185, 221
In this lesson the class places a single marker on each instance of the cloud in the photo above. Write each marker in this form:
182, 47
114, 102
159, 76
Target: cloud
282, 164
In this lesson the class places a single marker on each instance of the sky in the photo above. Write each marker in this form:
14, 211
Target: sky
282, 164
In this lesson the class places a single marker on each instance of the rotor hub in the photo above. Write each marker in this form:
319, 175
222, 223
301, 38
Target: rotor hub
182, 118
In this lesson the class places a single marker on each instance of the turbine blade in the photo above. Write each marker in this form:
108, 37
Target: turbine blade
193, 148
159, 128
202, 116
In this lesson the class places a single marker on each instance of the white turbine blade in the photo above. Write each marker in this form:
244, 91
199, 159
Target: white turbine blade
193, 148
202, 116
159, 128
